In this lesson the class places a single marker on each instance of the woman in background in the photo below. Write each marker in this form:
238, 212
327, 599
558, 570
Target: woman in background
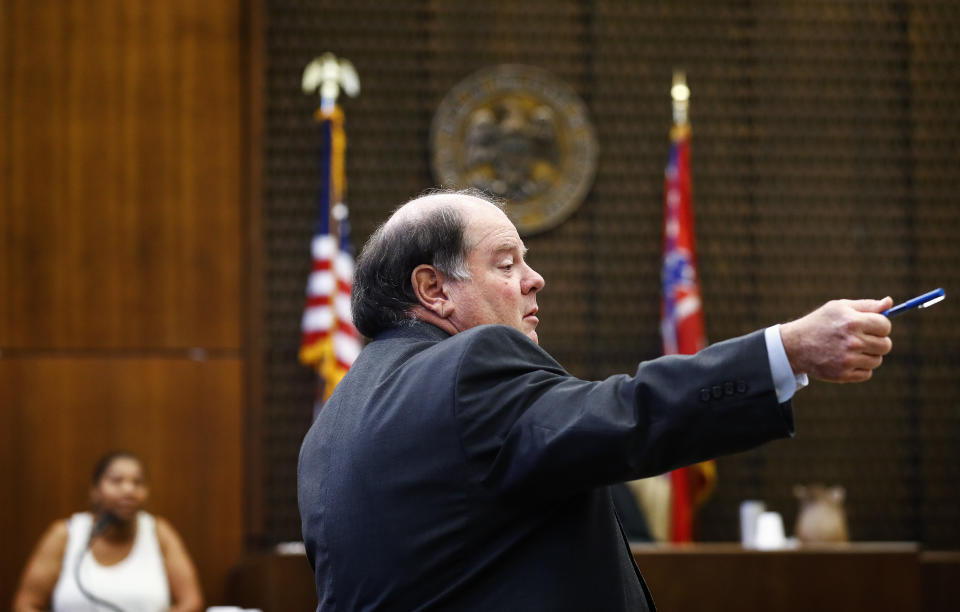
125, 558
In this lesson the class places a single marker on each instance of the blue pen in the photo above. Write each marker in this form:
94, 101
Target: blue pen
924, 301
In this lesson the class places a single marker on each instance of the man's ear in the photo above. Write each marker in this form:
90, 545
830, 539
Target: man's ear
428, 285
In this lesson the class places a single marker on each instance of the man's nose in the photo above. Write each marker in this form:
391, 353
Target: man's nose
534, 282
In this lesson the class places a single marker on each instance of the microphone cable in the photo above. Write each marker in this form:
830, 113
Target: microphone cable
105, 520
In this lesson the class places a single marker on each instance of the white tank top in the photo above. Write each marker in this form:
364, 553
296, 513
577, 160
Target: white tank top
138, 583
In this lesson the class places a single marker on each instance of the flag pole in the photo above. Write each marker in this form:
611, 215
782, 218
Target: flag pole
683, 324
329, 341
681, 511
680, 94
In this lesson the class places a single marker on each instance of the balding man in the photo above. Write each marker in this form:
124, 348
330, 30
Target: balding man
457, 466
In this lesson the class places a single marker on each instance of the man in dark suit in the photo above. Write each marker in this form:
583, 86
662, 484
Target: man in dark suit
457, 466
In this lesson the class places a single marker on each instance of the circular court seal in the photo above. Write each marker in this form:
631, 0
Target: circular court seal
521, 135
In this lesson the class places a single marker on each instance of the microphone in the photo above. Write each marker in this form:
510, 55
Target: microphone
104, 520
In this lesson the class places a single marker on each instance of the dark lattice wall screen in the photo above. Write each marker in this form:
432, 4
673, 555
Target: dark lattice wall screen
825, 164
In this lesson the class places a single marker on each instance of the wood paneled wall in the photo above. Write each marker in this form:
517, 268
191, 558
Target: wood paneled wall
181, 416
123, 222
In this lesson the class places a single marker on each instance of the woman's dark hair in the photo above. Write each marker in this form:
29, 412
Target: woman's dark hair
382, 293
103, 464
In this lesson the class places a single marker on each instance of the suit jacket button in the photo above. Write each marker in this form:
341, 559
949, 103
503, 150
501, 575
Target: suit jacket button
741, 386
704, 395
728, 388
717, 391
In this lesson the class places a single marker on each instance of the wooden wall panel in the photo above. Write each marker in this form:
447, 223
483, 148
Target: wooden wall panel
121, 204
183, 417
124, 147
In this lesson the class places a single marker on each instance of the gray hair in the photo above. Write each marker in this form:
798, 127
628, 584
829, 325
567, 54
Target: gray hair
383, 296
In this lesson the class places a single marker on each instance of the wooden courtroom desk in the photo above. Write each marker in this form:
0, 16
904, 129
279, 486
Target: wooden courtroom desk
272, 582
720, 577
710, 577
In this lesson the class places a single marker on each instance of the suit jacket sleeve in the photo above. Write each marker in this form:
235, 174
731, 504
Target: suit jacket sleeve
528, 427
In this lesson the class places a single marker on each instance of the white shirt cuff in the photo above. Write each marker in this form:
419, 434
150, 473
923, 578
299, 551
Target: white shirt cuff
784, 380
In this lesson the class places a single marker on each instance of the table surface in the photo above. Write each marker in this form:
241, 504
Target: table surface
824, 577
714, 576
735, 548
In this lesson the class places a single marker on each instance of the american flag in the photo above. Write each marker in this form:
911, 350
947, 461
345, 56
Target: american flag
318, 315
346, 338
329, 341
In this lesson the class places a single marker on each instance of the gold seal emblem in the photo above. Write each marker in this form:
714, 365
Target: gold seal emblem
520, 134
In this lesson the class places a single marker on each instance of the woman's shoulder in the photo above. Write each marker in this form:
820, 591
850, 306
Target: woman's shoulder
165, 531
59, 529
58, 533
54, 539
159, 521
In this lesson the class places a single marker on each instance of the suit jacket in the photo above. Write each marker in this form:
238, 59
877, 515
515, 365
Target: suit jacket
469, 472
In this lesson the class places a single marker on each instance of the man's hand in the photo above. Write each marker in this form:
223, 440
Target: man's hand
842, 341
